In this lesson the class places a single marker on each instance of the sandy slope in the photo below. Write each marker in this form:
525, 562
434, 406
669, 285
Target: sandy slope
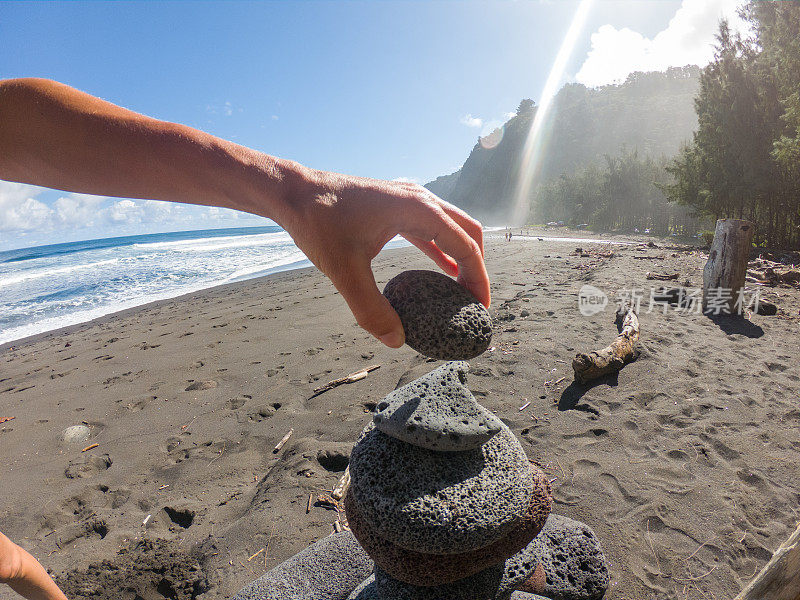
685, 464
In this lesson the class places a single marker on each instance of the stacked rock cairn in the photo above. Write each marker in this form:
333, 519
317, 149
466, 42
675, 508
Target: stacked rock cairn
442, 496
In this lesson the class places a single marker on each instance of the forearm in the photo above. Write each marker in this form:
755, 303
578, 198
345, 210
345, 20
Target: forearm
55, 136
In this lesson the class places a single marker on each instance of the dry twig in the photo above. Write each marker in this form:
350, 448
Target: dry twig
284, 439
256, 554
352, 378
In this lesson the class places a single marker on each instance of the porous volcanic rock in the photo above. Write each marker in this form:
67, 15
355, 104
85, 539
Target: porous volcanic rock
437, 412
494, 583
572, 558
423, 569
369, 591
329, 569
337, 568
441, 318
440, 502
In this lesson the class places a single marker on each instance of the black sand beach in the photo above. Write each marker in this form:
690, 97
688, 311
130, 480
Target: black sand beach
685, 464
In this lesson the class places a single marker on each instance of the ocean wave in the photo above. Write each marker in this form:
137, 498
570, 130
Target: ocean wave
218, 243
30, 275
48, 294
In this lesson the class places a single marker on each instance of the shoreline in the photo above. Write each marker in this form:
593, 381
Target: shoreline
110, 316
298, 266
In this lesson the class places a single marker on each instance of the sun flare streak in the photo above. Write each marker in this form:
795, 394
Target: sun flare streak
533, 150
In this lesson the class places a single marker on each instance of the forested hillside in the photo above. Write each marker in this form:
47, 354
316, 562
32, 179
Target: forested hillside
744, 160
651, 113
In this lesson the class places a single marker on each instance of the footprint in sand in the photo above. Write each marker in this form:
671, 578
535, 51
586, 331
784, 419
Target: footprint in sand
235, 403
88, 466
201, 385
264, 412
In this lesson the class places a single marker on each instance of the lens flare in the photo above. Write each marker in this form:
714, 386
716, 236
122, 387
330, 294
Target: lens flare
533, 151
493, 139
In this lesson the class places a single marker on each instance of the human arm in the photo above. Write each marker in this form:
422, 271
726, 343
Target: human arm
55, 136
23, 573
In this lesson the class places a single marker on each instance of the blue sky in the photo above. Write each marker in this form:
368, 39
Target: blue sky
380, 89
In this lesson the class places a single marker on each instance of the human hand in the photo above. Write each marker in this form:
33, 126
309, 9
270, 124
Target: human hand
342, 222
10, 560
24, 574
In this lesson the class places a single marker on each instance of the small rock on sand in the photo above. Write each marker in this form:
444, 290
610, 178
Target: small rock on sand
76, 434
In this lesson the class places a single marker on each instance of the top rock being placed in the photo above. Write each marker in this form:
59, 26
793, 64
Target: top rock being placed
441, 318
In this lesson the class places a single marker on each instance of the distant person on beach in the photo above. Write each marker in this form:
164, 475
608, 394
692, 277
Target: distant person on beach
55, 136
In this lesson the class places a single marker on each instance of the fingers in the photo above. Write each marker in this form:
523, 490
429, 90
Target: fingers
470, 225
434, 224
446, 264
371, 309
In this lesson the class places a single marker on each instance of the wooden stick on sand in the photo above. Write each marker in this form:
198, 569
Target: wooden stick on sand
352, 378
284, 439
611, 358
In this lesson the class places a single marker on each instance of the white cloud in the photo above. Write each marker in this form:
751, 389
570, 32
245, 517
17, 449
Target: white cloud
509, 115
77, 210
19, 208
471, 121
406, 180
23, 213
687, 40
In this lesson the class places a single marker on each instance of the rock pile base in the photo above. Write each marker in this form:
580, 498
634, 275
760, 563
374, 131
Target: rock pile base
445, 502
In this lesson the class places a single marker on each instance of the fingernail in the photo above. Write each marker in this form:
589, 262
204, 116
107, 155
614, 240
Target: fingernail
393, 339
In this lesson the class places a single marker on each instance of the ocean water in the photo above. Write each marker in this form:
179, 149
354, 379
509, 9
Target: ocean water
48, 287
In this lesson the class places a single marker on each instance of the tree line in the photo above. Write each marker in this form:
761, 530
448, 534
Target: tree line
744, 158
625, 193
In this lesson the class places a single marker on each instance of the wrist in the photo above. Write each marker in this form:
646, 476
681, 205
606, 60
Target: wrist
268, 186
299, 187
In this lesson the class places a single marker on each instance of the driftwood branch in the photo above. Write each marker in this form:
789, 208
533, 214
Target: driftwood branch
611, 358
341, 488
662, 276
352, 378
780, 578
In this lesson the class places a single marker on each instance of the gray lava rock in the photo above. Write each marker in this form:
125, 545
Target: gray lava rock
441, 318
337, 568
573, 560
440, 502
490, 584
437, 412
365, 591
327, 570
76, 434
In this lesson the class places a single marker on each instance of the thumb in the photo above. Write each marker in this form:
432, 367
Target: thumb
370, 308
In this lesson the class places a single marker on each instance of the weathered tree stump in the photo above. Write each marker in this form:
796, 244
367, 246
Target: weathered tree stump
780, 578
611, 358
726, 269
